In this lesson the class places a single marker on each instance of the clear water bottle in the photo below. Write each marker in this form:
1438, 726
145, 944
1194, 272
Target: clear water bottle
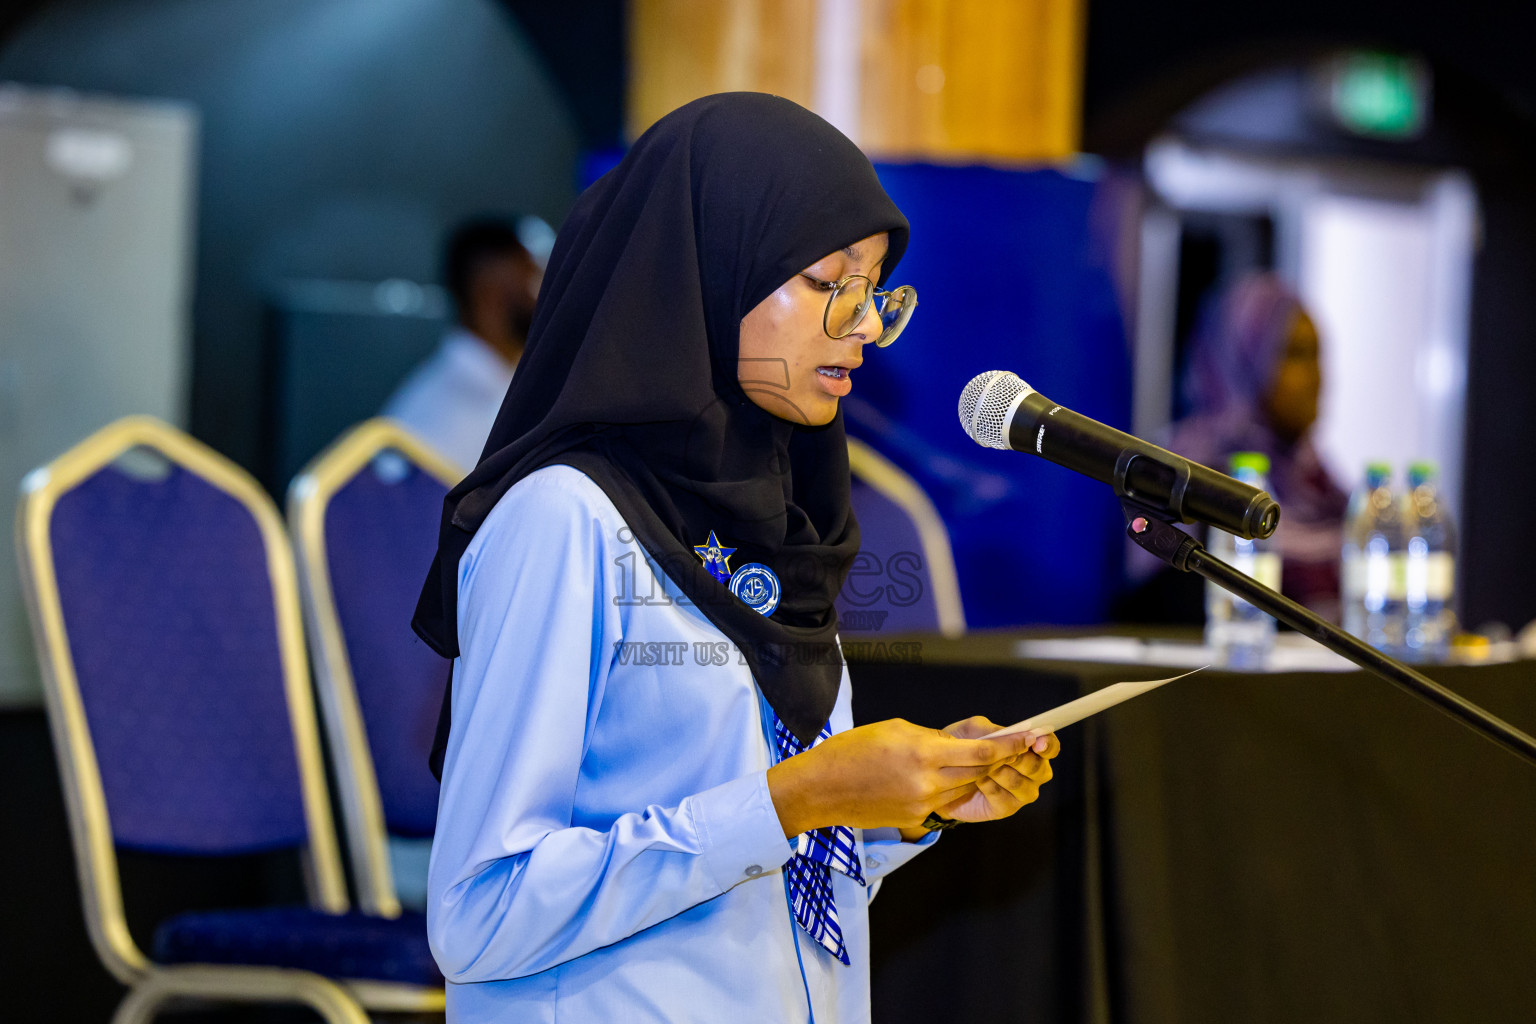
1431, 568
1374, 573
1241, 635
1352, 567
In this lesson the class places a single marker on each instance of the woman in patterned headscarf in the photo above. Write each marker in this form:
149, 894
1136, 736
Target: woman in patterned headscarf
1253, 383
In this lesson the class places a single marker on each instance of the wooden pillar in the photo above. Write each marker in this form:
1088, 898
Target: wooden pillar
944, 80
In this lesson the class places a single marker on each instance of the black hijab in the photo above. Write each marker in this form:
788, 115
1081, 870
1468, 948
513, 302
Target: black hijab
630, 375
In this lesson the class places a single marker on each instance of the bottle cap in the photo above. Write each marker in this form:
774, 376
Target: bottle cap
1256, 462
1377, 473
1421, 472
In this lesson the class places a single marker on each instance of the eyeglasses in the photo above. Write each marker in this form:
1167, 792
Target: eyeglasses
849, 304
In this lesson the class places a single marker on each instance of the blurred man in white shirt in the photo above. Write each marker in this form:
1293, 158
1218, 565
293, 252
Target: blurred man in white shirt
451, 399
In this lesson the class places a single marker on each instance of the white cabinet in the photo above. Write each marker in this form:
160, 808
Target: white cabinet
96, 206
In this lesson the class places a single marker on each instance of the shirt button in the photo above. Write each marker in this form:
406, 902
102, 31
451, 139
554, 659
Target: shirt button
872, 861
753, 870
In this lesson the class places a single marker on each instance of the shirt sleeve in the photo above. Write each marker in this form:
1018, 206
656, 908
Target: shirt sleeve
514, 888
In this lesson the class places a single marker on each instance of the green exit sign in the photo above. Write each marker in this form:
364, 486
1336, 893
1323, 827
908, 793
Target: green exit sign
1380, 95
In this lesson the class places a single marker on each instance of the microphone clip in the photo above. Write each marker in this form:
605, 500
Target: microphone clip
1152, 529
1173, 511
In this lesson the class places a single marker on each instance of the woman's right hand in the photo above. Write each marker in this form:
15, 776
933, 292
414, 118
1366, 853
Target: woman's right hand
889, 774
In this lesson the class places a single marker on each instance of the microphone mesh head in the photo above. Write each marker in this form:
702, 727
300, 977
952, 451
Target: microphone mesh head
985, 403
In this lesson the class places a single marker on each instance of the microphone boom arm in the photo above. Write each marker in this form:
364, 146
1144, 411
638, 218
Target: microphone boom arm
1153, 531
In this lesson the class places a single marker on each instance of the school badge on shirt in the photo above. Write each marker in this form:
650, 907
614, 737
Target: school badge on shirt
757, 587
715, 557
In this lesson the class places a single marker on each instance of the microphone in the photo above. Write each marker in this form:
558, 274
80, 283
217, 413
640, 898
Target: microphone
998, 410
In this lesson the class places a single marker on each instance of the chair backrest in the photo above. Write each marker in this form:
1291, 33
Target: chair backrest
164, 604
364, 515
903, 579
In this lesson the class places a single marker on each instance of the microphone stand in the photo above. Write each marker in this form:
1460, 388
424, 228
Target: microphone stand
1153, 530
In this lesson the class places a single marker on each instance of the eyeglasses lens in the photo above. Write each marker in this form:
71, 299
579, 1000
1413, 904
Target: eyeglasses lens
848, 306
895, 310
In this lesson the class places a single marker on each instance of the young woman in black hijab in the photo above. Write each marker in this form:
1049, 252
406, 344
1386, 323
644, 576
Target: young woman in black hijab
653, 805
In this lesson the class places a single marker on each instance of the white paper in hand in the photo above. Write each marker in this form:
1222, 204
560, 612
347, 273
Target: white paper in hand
1083, 707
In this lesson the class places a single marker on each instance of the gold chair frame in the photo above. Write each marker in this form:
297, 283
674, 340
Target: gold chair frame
309, 496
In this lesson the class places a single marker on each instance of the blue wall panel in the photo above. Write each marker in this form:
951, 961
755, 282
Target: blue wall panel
1007, 278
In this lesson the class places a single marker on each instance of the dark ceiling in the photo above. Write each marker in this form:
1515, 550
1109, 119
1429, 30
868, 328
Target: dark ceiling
582, 42
1144, 61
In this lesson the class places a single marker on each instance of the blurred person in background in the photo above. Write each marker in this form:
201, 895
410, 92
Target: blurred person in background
451, 399
1253, 383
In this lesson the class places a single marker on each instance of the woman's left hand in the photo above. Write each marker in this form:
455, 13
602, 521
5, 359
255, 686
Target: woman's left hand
1009, 786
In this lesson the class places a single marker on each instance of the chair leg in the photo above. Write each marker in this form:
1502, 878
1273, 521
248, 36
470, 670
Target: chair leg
238, 984
140, 1005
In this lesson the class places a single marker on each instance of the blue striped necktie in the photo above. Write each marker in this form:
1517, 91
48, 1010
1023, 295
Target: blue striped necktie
818, 853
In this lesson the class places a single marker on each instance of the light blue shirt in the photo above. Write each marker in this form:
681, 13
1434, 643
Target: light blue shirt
606, 847
450, 400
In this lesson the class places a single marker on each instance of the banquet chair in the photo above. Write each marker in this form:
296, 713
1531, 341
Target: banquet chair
164, 605
364, 517
903, 578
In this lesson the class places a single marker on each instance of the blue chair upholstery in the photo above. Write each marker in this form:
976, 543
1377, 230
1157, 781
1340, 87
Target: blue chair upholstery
164, 601
365, 515
380, 535
903, 578
888, 588
350, 945
165, 592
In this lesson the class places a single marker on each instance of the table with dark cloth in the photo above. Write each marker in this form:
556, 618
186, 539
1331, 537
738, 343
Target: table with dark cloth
1278, 847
